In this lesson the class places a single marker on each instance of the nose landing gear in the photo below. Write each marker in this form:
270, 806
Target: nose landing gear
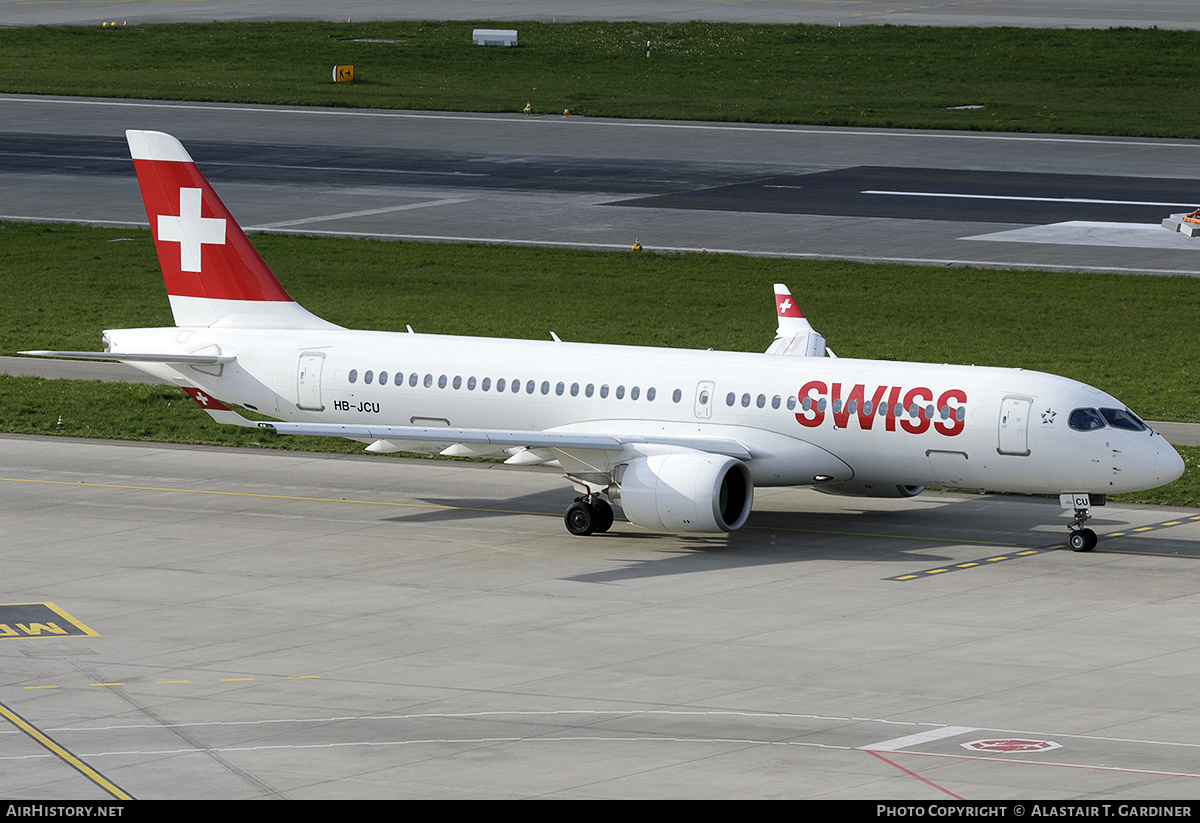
1080, 539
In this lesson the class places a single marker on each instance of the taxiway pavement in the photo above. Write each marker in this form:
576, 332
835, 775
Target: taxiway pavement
306, 626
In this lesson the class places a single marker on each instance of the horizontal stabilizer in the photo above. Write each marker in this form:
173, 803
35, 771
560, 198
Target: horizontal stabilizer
131, 357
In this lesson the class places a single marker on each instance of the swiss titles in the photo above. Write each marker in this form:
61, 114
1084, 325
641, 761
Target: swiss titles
893, 408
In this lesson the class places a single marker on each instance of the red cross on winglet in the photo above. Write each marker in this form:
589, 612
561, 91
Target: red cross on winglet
787, 308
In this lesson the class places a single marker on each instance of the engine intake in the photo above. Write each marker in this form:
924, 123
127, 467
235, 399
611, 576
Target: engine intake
686, 493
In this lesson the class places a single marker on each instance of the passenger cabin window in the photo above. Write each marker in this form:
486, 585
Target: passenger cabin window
353, 376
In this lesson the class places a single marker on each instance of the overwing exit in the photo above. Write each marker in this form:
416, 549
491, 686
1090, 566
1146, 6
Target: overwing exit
678, 439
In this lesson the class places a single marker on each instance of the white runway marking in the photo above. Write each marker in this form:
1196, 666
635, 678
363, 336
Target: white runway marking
898, 743
1088, 200
446, 201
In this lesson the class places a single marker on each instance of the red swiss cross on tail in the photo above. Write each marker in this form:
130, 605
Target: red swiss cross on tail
211, 269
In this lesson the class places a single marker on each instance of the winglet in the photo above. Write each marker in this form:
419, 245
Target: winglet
794, 335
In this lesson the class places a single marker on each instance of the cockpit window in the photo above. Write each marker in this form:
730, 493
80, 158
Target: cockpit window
1085, 420
1123, 419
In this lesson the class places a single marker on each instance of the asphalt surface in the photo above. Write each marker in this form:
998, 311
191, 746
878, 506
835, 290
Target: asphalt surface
240, 624
871, 191
943, 198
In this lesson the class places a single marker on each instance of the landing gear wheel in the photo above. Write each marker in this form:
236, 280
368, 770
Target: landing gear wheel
604, 515
1082, 540
1079, 538
581, 518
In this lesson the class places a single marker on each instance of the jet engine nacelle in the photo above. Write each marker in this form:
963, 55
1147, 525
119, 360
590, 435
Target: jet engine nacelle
686, 493
858, 488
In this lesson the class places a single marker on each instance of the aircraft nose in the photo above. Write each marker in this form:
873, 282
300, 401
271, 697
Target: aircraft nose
1168, 465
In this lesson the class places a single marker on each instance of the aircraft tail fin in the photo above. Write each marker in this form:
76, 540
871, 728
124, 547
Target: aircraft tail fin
214, 275
794, 335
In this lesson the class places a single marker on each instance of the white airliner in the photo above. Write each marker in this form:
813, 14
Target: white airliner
677, 438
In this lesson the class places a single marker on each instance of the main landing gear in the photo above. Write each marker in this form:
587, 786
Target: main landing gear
1080, 539
588, 515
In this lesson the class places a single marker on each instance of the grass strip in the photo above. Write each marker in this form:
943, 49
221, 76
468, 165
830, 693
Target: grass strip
1085, 81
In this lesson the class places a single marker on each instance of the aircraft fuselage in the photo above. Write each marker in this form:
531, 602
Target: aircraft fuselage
804, 421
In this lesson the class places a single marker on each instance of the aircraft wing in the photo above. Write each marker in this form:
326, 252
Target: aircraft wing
499, 439
133, 357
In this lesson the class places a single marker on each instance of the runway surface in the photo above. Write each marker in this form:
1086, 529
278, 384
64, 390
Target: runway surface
247, 624
1173, 14
940, 198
